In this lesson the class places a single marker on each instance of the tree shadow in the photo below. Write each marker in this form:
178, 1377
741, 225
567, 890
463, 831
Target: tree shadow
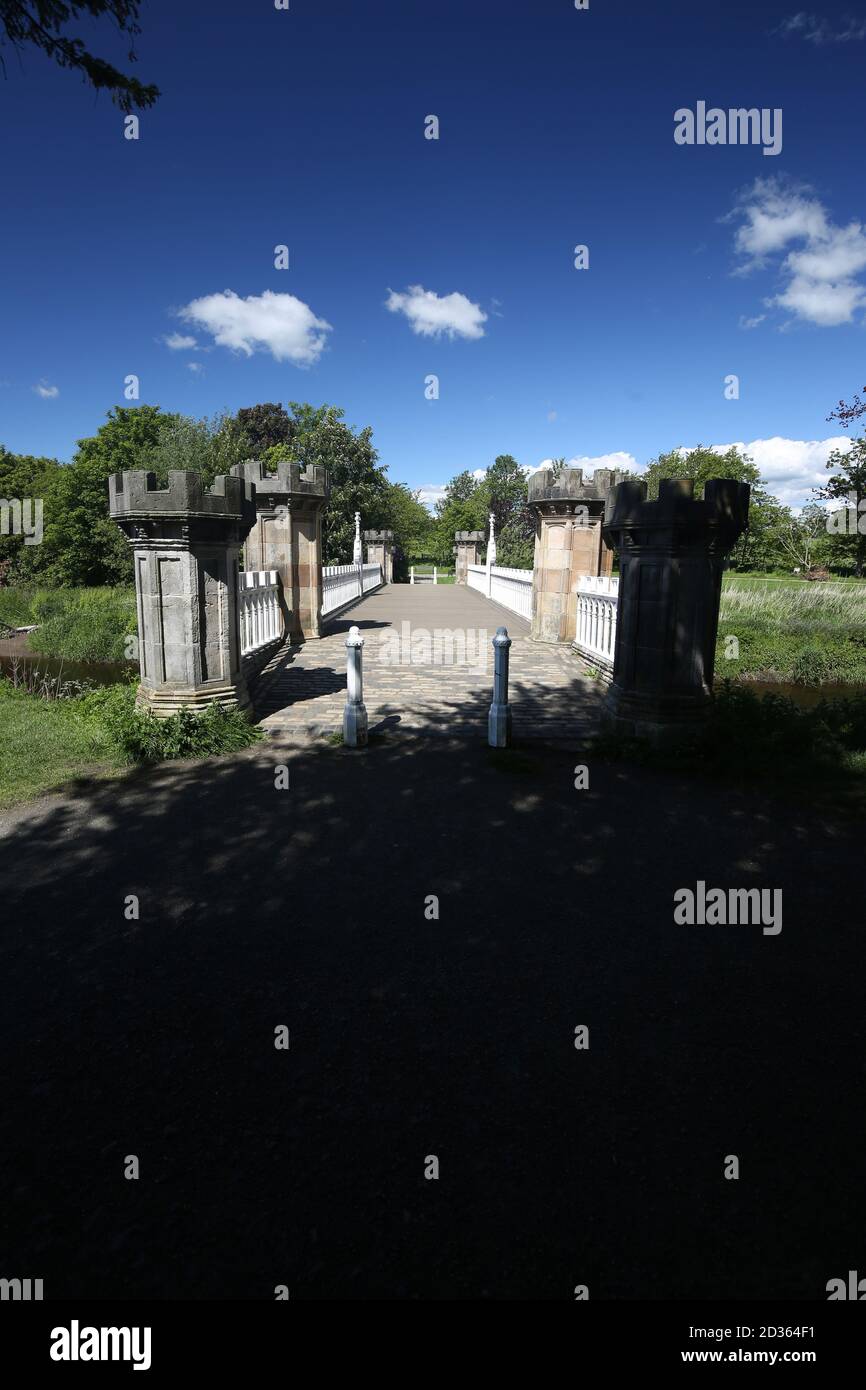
414, 1034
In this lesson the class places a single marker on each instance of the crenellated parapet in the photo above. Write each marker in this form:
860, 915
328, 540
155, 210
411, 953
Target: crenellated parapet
569, 508
287, 535
671, 553
714, 521
466, 544
136, 496
380, 551
289, 478
570, 485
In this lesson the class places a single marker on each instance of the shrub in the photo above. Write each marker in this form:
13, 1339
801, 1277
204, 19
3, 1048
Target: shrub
84, 624
140, 737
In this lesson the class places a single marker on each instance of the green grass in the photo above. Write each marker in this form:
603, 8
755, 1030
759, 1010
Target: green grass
798, 632
46, 742
768, 743
75, 624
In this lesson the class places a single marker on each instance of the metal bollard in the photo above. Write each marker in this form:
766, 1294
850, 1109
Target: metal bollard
355, 712
499, 718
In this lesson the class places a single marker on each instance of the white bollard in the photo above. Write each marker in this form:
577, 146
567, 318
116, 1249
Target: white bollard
435, 580
412, 575
355, 712
499, 718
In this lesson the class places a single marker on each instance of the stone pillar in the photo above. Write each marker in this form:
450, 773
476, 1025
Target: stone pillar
568, 518
185, 545
380, 551
671, 557
287, 537
465, 553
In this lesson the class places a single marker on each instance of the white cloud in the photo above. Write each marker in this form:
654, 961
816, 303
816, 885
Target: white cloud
48, 393
276, 323
590, 462
179, 342
820, 31
551, 415
430, 494
789, 468
195, 366
747, 323
823, 259
432, 315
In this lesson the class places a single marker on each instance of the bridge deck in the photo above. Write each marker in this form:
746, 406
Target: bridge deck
409, 682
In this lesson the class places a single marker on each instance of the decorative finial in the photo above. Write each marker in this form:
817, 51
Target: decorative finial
357, 552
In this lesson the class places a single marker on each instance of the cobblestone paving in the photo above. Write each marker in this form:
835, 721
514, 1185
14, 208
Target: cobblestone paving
412, 681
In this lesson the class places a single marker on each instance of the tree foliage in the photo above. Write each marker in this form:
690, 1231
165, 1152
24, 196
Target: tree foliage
40, 23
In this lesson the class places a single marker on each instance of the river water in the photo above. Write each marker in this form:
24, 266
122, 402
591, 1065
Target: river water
97, 672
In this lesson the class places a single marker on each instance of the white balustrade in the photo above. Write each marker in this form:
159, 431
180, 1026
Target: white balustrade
259, 616
345, 584
597, 597
512, 589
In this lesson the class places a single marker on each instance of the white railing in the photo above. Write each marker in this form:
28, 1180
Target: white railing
345, 584
259, 615
510, 588
596, 618
476, 578
424, 578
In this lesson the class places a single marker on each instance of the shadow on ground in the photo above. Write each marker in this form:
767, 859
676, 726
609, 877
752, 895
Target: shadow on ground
411, 1037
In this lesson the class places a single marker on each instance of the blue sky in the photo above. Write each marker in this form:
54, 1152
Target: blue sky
306, 128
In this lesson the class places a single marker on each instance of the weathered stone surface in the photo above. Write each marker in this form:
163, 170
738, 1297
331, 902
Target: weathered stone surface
185, 544
380, 551
287, 536
465, 552
568, 543
671, 559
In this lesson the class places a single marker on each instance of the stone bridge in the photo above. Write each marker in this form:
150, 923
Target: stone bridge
273, 640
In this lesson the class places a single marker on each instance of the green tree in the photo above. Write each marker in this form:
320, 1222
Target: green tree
265, 426
320, 435
41, 22
848, 485
462, 508
410, 521
504, 490
758, 546
208, 446
24, 478
82, 544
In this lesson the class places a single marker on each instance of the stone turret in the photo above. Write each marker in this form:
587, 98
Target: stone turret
568, 543
380, 551
287, 536
671, 558
185, 543
465, 553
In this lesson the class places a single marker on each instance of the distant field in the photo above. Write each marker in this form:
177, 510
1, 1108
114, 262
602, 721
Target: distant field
793, 630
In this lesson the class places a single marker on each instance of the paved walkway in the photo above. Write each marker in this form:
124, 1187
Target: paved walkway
414, 680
